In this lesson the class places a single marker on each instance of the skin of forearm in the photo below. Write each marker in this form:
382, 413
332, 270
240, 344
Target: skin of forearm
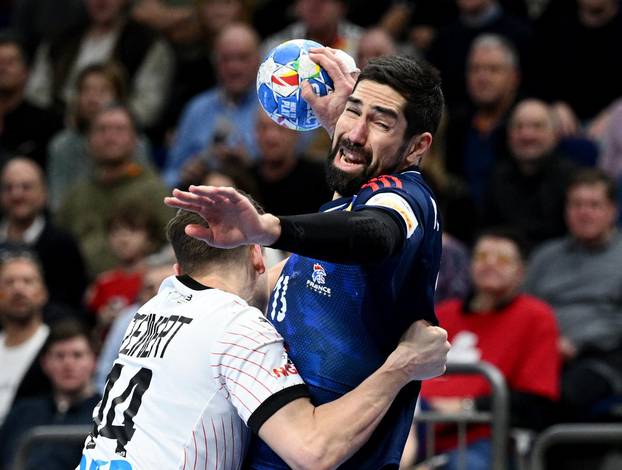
328, 435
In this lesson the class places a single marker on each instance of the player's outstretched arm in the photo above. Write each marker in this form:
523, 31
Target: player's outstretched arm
328, 108
360, 237
231, 218
325, 436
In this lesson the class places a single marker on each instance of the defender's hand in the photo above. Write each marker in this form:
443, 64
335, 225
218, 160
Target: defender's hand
231, 218
422, 351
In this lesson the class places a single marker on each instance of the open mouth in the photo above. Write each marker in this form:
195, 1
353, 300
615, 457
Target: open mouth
351, 159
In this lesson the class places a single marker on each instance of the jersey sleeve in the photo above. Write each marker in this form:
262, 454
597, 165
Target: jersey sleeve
254, 370
388, 193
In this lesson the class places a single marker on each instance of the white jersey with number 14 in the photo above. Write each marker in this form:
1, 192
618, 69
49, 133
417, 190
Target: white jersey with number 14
195, 364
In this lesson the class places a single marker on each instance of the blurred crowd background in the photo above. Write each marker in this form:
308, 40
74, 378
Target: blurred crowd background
105, 105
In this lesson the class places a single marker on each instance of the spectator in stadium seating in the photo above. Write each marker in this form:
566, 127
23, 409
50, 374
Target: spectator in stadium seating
25, 222
68, 360
449, 50
108, 35
515, 332
374, 42
23, 295
218, 125
191, 27
590, 33
68, 160
38, 21
580, 276
429, 16
133, 233
476, 134
26, 128
174, 19
528, 190
323, 21
155, 273
118, 180
288, 183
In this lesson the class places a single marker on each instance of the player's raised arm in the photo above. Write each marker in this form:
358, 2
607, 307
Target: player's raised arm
232, 219
366, 236
328, 108
325, 436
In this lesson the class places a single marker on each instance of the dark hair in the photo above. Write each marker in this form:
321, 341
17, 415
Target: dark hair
591, 177
65, 329
11, 38
137, 216
506, 233
116, 106
418, 82
113, 72
242, 178
194, 256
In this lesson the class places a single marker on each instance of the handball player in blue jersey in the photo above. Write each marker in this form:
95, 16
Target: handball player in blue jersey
365, 267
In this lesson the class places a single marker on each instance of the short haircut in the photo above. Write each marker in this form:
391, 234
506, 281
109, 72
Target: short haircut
20, 251
484, 41
116, 106
592, 177
195, 257
28, 161
111, 71
66, 329
137, 215
418, 82
506, 233
12, 38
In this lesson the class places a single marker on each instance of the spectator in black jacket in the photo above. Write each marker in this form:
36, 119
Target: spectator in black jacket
108, 35
476, 134
26, 129
288, 183
528, 190
23, 198
449, 50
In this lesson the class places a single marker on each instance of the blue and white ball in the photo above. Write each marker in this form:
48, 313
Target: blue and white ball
280, 78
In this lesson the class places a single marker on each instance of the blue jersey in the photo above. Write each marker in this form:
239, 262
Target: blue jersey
340, 322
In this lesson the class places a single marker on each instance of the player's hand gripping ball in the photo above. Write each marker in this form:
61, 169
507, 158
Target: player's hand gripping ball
280, 78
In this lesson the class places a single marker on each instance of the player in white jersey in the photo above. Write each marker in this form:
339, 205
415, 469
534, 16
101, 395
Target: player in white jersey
199, 364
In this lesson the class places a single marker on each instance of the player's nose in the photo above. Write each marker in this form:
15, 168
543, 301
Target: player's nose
358, 133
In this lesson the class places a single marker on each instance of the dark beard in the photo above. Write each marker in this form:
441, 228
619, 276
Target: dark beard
21, 318
338, 180
346, 184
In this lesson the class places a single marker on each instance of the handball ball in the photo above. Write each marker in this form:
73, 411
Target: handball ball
280, 78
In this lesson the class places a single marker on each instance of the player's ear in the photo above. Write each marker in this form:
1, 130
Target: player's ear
177, 269
417, 147
257, 259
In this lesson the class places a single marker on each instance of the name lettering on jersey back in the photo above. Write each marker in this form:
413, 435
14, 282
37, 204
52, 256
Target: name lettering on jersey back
150, 334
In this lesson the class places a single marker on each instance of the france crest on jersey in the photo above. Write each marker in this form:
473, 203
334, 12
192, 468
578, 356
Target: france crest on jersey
340, 322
